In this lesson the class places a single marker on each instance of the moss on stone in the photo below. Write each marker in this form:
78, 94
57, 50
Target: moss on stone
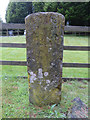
44, 52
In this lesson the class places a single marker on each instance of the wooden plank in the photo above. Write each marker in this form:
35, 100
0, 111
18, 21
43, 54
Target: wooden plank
13, 26
18, 32
19, 63
23, 45
24, 63
67, 28
15, 45
7, 32
64, 79
78, 79
77, 29
77, 65
77, 48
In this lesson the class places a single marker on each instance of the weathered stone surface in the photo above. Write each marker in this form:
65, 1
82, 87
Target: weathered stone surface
78, 109
44, 39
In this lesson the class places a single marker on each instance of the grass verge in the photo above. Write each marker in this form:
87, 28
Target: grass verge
15, 90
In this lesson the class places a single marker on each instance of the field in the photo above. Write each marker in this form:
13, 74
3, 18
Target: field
15, 102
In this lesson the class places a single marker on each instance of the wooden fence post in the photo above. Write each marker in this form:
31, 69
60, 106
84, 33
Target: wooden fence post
7, 32
44, 41
18, 32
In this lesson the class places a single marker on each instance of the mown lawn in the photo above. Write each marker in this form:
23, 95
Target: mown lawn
19, 54
15, 90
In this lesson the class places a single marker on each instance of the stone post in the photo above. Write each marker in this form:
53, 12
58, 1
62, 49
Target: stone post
44, 40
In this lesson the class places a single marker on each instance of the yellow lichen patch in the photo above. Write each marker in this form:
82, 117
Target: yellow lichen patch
29, 80
44, 97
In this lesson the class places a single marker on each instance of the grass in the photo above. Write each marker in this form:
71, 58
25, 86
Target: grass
16, 101
19, 54
15, 90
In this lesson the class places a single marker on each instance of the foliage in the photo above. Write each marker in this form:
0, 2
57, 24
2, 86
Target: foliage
77, 13
1, 20
17, 11
38, 6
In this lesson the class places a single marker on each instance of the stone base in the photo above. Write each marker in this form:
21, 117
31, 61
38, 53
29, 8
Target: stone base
41, 97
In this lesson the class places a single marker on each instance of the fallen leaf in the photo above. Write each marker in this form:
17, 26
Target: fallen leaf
23, 107
70, 83
48, 107
35, 115
18, 107
15, 87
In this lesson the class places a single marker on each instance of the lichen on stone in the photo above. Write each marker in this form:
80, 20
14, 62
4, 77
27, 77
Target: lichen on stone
44, 40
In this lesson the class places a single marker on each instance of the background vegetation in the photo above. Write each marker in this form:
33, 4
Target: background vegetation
77, 13
1, 19
17, 11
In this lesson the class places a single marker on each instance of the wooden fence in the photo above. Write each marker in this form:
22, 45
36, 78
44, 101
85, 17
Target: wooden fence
18, 28
75, 48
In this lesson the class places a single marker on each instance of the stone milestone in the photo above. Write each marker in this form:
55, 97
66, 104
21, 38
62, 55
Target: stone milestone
44, 41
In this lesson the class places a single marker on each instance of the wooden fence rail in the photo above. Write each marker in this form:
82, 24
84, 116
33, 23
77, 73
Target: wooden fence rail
17, 29
24, 63
13, 26
20, 45
15, 45
23, 45
64, 79
67, 28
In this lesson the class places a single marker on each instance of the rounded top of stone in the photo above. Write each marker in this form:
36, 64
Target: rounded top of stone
45, 13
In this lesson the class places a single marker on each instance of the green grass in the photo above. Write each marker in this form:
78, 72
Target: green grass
76, 40
16, 39
15, 90
16, 101
19, 54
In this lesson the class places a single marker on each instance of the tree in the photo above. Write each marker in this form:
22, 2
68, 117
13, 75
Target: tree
1, 20
77, 13
17, 11
38, 6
